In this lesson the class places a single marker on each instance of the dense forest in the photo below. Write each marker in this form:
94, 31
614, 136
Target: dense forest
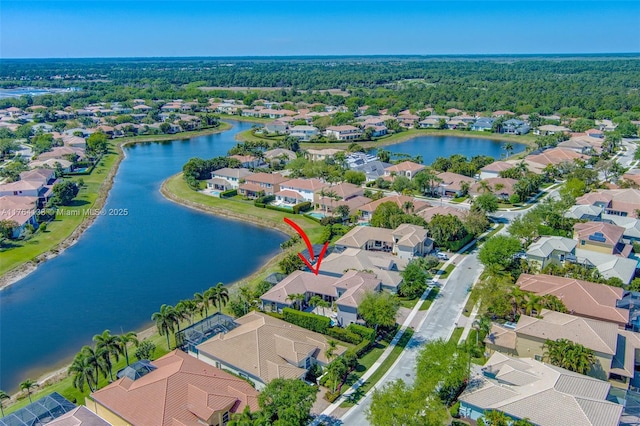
588, 86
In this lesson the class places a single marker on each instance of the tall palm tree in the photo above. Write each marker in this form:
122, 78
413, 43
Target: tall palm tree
330, 352
95, 358
166, 321
566, 354
3, 396
532, 303
28, 385
508, 148
125, 339
407, 206
83, 372
484, 186
297, 299
219, 295
246, 296
554, 303
111, 345
482, 326
185, 310
495, 418
203, 302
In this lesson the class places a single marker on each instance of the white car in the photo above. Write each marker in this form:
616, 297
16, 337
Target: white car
442, 256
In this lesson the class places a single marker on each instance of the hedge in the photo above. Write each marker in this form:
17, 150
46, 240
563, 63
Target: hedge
344, 335
302, 207
265, 199
458, 244
280, 209
362, 348
257, 204
306, 320
229, 193
365, 332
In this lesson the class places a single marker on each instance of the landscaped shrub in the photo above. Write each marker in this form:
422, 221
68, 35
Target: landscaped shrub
302, 207
265, 199
362, 348
313, 322
275, 315
280, 209
362, 331
344, 335
257, 204
454, 246
331, 396
229, 193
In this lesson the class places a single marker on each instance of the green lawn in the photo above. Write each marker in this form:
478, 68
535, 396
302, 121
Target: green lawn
456, 335
430, 298
405, 302
384, 367
446, 272
178, 190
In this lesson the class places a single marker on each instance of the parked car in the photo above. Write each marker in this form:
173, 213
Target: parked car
442, 256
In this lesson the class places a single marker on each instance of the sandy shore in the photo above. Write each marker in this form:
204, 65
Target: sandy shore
21, 271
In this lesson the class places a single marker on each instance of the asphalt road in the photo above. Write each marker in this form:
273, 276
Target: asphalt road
439, 322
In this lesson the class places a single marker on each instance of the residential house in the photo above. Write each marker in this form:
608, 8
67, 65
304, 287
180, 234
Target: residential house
515, 127
356, 159
248, 161
343, 133
585, 212
19, 209
79, 416
276, 127
321, 154
434, 121
181, 390
280, 155
595, 133
377, 131
407, 169
429, 212
384, 266
601, 237
614, 348
259, 184
53, 163
550, 129
328, 198
555, 156
551, 250
580, 146
501, 113
225, 179
305, 188
406, 241
620, 202
503, 188
372, 169
453, 184
402, 201
582, 298
524, 388
483, 124
63, 152
608, 265
304, 133
493, 170
270, 348
631, 225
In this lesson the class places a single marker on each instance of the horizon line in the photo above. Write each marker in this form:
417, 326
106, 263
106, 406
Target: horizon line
338, 56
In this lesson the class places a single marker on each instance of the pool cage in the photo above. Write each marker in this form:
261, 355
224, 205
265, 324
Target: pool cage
39, 412
188, 338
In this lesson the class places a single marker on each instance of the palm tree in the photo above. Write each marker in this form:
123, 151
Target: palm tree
27, 385
246, 295
297, 299
484, 186
166, 321
482, 326
111, 345
219, 295
517, 300
95, 358
82, 372
566, 354
317, 301
330, 352
554, 303
125, 339
495, 418
407, 206
508, 148
185, 310
3, 396
532, 303
342, 211
203, 302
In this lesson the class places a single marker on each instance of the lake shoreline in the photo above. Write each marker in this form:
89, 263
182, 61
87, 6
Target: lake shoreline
21, 271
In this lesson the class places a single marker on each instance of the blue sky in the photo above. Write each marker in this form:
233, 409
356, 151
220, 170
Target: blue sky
60, 28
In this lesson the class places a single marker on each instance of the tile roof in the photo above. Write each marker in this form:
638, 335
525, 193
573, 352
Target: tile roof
582, 298
428, 213
80, 416
182, 389
453, 181
272, 178
405, 166
304, 184
358, 236
611, 233
544, 394
546, 245
232, 173
17, 208
382, 265
600, 336
555, 156
268, 346
418, 205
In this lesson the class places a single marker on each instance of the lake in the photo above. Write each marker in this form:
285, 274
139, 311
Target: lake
432, 147
124, 267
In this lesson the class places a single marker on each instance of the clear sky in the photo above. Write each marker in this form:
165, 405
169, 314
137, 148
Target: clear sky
114, 28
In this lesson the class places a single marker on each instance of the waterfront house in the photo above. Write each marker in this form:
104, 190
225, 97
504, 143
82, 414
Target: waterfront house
248, 161
582, 298
180, 390
226, 178
321, 154
550, 129
79, 416
483, 124
515, 127
304, 133
402, 201
305, 188
372, 169
279, 156
276, 127
453, 184
63, 152
343, 133
19, 209
330, 196
270, 348
384, 266
407, 168
526, 388
261, 184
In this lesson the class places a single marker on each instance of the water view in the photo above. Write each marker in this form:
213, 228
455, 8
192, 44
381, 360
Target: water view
124, 267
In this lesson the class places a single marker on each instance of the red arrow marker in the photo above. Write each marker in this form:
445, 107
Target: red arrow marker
309, 247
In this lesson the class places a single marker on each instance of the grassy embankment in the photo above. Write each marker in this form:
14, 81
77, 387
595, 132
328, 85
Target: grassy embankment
72, 220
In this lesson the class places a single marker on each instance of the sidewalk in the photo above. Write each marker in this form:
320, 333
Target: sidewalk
469, 322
